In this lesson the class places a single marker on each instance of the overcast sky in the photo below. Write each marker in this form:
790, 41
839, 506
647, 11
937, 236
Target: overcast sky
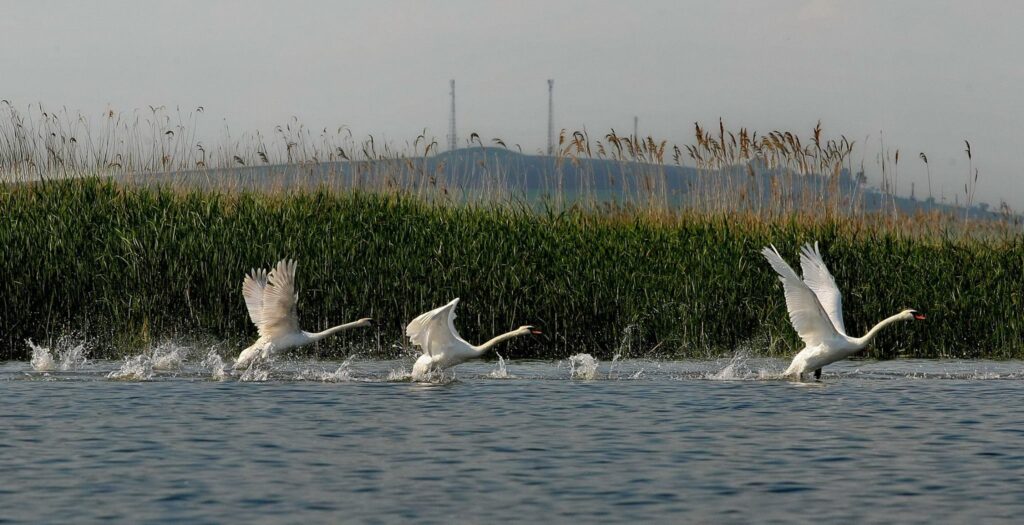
927, 74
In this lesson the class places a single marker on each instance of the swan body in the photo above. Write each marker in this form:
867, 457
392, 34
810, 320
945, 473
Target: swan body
816, 311
434, 332
271, 301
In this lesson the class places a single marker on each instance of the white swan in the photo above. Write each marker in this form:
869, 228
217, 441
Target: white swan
434, 332
270, 299
816, 312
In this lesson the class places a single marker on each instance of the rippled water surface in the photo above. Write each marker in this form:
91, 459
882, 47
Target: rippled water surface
545, 442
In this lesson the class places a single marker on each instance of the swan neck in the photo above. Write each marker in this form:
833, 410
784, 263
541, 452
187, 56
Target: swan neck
499, 339
316, 336
863, 341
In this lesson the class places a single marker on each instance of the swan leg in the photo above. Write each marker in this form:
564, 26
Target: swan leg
817, 374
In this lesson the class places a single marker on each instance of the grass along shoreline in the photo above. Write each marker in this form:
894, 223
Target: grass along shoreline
126, 265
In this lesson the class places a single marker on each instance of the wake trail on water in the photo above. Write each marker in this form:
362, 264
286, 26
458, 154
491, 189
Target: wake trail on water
67, 358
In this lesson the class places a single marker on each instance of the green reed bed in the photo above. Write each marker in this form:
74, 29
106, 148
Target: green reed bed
124, 265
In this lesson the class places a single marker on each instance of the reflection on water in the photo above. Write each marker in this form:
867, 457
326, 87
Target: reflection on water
670, 441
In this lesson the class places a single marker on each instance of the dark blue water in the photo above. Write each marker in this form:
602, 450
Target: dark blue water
680, 442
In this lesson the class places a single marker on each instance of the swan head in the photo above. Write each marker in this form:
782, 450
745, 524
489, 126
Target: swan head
912, 315
528, 330
366, 321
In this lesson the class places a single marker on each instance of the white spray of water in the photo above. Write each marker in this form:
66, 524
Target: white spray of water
135, 368
42, 360
215, 365
72, 353
629, 334
738, 370
258, 371
168, 356
399, 375
500, 371
729, 373
611, 367
142, 367
433, 376
343, 373
582, 366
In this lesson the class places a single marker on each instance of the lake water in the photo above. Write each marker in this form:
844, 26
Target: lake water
533, 441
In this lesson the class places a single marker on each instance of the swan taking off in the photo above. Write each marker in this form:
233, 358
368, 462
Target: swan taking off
270, 299
434, 332
816, 312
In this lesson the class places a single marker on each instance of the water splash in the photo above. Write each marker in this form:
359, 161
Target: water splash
729, 373
611, 367
42, 360
215, 365
135, 368
72, 351
257, 371
984, 375
399, 375
500, 371
168, 356
432, 376
629, 334
738, 369
582, 366
343, 373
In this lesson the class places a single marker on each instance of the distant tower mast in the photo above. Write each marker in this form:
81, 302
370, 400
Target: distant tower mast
551, 116
453, 142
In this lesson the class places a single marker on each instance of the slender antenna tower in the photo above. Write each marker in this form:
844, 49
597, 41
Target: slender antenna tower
453, 141
551, 116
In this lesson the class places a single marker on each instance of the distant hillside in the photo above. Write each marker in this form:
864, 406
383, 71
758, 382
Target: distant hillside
480, 171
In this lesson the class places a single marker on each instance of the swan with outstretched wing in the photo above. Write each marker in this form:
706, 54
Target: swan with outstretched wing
442, 346
271, 301
816, 312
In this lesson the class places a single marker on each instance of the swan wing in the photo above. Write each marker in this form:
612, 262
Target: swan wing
434, 330
806, 314
820, 281
278, 315
252, 291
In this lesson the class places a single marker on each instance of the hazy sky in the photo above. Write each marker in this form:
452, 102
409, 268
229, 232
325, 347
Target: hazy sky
927, 74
